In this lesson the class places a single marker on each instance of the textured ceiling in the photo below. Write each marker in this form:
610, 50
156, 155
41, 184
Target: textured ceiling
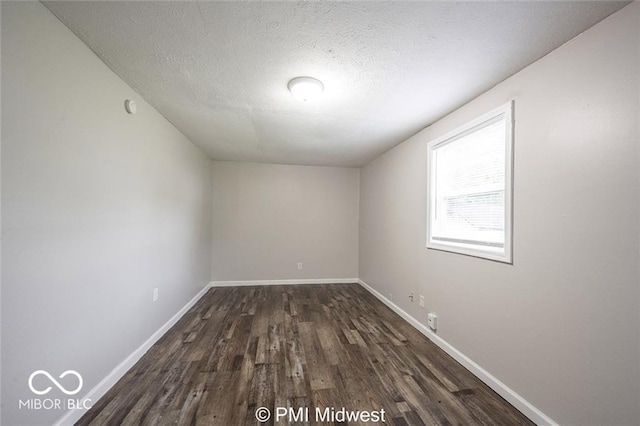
219, 70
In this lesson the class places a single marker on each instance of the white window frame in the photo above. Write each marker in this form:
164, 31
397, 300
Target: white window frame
506, 111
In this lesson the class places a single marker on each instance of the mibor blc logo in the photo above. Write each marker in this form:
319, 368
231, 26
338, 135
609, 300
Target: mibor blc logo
54, 403
55, 382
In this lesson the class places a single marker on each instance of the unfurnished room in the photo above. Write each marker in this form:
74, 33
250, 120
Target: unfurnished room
320, 213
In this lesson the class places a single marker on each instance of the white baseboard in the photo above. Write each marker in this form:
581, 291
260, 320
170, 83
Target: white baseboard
284, 282
525, 407
72, 416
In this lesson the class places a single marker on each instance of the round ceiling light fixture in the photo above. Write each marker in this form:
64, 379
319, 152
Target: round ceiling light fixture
305, 88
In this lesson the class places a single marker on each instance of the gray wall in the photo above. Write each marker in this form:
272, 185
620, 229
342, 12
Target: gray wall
560, 326
269, 217
98, 208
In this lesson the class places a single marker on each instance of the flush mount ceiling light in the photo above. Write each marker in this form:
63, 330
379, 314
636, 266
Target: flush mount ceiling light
305, 88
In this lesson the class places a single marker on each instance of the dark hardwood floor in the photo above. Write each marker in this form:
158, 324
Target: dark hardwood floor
316, 346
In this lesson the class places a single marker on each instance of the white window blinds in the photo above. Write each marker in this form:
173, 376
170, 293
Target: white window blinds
470, 188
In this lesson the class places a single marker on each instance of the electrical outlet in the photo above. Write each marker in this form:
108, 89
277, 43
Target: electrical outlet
412, 296
300, 265
432, 321
391, 297
421, 301
155, 294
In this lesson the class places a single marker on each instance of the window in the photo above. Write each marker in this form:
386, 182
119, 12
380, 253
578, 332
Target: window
469, 188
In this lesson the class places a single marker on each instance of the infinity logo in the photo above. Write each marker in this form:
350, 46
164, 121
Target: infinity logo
55, 382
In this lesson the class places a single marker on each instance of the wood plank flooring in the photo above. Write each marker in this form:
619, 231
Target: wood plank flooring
301, 346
